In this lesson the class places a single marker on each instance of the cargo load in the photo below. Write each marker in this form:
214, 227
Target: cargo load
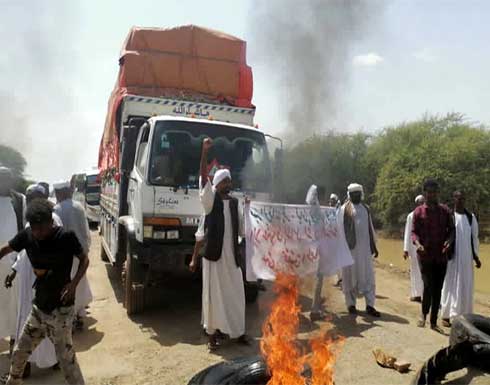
187, 63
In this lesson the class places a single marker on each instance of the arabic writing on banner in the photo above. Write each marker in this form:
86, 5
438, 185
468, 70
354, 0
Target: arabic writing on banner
297, 239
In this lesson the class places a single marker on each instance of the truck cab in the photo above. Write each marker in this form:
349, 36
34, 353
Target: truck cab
151, 210
87, 192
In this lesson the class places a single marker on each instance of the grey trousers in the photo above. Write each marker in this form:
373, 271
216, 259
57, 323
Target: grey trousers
57, 326
317, 295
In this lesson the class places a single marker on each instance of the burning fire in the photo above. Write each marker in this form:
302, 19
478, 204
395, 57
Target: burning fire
285, 360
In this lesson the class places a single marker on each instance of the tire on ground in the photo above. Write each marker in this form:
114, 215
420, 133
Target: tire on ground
240, 371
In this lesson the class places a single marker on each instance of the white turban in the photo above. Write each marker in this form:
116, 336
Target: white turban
61, 185
334, 196
312, 196
36, 188
355, 187
419, 198
220, 176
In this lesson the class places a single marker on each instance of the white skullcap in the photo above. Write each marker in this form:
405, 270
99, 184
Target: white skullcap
419, 198
355, 187
36, 188
220, 176
334, 196
61, 185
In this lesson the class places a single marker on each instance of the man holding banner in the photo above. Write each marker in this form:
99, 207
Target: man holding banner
358, 279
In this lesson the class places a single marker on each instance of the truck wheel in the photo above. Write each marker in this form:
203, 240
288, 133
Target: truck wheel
134, 299
251, 292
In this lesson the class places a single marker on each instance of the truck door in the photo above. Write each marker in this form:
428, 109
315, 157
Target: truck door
137, 180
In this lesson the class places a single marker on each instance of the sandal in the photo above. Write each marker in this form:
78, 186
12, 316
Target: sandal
4, 378
213, 343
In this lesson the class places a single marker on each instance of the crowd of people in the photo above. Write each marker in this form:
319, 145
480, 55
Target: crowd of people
47, 247
44, 263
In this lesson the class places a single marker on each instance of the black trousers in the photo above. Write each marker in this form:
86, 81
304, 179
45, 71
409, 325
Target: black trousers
433, 274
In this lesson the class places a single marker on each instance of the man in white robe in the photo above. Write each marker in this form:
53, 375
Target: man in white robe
223, 293
410, 252
74, 219
358, 279
12, 208
457, 292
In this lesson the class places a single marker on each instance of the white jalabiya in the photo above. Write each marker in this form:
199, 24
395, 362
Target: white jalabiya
457, 292
74, 219
8, 298
416, 283
223, 294
358, 279
44, 356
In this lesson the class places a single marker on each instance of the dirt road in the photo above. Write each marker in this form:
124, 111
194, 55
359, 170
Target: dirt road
166, 346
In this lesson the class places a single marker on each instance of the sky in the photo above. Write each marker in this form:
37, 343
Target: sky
59, 62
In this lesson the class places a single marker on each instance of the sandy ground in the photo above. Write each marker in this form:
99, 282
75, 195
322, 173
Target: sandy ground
166, 346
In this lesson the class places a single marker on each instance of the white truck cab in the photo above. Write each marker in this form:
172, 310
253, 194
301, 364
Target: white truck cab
151, 211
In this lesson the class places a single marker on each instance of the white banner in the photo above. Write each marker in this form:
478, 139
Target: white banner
297, 239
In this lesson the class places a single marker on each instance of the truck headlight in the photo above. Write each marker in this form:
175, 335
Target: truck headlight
147, 231
173, 234
159, 235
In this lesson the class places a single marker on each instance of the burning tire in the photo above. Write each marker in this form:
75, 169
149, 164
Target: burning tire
240, 371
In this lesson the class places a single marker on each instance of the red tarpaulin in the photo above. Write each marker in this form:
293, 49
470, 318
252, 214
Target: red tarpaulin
166, 62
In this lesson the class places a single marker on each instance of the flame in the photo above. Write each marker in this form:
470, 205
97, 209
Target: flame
284, 358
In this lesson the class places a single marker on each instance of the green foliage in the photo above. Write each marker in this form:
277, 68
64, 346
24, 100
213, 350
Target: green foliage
448, 149
393, 165
332, 161
12, 159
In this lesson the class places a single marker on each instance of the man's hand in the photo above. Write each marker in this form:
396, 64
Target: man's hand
405, 255
193, 264
207, 144
477, 262
68, 293
446, 247
420, 248
9, 279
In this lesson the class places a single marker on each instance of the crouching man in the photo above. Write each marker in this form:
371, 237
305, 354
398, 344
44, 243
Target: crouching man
50, 250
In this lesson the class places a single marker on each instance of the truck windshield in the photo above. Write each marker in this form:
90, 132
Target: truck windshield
92, 191
176, 151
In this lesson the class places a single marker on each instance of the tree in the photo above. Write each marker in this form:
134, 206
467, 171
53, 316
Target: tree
448, 149
330, 160
12, 159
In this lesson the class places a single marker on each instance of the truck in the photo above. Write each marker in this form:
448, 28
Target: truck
149, 161
87, 192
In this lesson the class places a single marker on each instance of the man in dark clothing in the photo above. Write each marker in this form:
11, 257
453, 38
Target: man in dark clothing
432, 235
50, 250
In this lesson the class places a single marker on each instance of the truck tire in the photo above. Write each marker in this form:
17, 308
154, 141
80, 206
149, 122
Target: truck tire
134, 289
251, 292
